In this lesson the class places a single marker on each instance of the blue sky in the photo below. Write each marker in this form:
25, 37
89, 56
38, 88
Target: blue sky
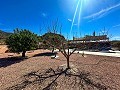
31, 14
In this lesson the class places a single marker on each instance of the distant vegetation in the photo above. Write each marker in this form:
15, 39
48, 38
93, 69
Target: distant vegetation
52, 40
3, 36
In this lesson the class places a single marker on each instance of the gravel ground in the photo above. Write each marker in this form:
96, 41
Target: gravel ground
105, 70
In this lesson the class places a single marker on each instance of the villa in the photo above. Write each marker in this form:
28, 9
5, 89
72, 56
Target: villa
92, 42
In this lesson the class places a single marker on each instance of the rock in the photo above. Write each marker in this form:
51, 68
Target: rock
53, 57
72, 69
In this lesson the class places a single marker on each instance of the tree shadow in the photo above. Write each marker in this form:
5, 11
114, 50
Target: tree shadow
47, 80
4, 62
39, 78
45, 54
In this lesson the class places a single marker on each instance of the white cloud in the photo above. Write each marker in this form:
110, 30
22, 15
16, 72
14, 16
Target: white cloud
44, 14
70, 20
116, 26
101, 13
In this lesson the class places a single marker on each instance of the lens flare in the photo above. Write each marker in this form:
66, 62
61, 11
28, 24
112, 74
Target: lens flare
74, 16
79, 10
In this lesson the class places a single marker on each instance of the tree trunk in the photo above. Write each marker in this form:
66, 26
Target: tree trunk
53, 50
55, 54
23, 53
68, 62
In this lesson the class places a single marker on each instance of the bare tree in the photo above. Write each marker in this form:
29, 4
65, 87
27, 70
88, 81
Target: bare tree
58, 41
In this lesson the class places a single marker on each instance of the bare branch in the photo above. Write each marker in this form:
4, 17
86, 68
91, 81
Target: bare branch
73, 51
63, 53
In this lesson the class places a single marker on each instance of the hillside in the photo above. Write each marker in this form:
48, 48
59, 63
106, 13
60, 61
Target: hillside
3, 36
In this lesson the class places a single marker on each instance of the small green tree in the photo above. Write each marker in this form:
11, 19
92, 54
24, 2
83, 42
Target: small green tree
22, 41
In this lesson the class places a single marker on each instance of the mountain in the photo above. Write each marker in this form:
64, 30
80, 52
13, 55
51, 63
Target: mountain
4, 35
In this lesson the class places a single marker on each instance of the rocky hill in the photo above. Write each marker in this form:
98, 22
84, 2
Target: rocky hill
3, 36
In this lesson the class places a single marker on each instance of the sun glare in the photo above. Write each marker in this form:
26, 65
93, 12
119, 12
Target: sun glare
80, 4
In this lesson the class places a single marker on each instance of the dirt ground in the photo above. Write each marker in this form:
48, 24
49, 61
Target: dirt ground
3, 48
13, 68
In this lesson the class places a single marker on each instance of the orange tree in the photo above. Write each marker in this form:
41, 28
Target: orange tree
22, 41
